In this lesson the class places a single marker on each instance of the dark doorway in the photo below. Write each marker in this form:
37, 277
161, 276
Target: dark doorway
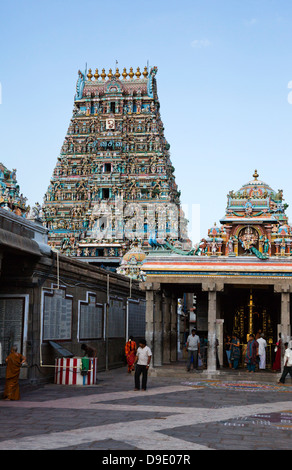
247, 310
105, 193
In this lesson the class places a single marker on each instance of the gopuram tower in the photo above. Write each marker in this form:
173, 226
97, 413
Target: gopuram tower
113, 185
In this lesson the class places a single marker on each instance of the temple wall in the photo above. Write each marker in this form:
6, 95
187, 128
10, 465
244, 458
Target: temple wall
56, 298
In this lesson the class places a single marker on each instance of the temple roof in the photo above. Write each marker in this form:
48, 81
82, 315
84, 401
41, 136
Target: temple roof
256, 187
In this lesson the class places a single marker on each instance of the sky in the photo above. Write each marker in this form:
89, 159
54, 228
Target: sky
224, 85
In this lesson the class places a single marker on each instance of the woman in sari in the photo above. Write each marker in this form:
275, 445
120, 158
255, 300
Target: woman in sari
251, 353
13, 365
130, 351
277, 362
235, 351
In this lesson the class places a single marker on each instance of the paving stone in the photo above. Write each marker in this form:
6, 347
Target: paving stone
170, 415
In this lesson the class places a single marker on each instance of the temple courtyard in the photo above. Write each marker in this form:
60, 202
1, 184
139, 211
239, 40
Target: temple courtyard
179, 412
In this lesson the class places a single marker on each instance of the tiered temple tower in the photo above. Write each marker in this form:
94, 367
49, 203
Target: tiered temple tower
114, 182
10, 197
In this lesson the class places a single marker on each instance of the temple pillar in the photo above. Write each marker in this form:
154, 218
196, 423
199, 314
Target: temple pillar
166, 328
149, 318
285, 325
153, 333
173, 329
158, 332
212, 288
212, 312
285, 316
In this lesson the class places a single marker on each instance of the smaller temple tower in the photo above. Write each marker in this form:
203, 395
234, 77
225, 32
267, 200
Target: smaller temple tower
10, 197
255, 223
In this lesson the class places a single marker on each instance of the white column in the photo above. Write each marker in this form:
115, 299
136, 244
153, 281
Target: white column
212, 310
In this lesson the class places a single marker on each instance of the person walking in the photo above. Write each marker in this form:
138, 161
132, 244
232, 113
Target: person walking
193, 348
262, 351
287, 364
130, 352
142, 361
13, 365
251, 353
235, 351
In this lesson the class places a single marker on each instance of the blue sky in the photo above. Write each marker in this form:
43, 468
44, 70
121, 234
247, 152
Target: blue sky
224, 69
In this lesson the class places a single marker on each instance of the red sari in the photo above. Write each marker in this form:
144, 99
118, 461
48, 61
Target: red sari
130, 351
277, 362
14, 362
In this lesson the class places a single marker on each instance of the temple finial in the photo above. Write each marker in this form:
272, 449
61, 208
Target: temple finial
89, 75
131, 73
255, 175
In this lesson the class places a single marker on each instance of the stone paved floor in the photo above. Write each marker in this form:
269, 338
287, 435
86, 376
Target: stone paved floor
175, 413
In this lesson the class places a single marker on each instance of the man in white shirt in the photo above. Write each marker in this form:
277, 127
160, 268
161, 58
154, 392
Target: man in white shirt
287, 363
142, 361
262, 351
193, 348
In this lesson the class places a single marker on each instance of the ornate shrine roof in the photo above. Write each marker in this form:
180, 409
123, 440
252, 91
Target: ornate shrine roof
10, 197
255, 227
255, 201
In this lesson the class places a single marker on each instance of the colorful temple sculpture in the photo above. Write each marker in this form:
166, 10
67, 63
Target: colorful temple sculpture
10, 197
255, 223
240, 276
114, 176
132, 263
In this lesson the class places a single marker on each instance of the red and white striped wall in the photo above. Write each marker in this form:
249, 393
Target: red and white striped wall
68, 371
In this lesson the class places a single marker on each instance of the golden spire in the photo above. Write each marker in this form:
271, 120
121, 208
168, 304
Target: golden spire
96, 75
255, 175
138, 73
131, 74
145, 73
124, 74
103, 75
117, 74
110, 74
89, 75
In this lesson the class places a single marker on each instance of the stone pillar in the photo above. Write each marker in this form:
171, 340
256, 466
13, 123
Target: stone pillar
173, 329
149, 319
285, 317
212, 311
158, 336
166, 328
285, 326
212, 288
154, 322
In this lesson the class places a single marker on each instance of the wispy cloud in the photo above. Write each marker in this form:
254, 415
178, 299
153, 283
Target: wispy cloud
250, 22
200, 43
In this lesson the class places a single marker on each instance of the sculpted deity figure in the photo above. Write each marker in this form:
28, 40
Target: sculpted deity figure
230, 245
214, 247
